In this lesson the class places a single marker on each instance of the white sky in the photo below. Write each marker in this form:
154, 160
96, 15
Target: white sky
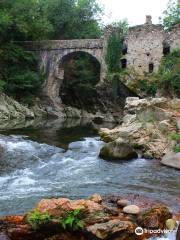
133, 10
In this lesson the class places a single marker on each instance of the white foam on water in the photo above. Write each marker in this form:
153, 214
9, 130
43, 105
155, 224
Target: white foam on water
23, 181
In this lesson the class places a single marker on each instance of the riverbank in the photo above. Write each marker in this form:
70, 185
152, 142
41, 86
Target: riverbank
111, 217
150, 128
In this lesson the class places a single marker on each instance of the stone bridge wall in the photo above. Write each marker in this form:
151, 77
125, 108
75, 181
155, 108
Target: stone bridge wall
52, 53
144, 45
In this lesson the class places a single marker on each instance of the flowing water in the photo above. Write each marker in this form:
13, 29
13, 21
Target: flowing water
60, 160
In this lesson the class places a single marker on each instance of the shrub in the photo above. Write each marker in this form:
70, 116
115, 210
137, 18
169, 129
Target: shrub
37, 219
72, 221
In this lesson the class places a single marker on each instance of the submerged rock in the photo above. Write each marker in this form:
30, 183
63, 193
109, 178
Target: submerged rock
172, 160
118, 150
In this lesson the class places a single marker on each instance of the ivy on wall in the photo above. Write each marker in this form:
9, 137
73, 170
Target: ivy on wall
114, 52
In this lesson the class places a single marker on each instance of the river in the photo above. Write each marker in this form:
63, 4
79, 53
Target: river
61, 160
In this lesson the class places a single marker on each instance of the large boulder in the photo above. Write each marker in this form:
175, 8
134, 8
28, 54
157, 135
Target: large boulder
171, 159
118, 150
114, 228
92, 211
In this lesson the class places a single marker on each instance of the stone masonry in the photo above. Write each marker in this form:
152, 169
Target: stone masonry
143, 50
146, 44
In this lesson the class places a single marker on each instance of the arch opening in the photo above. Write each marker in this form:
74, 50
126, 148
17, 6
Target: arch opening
81, 74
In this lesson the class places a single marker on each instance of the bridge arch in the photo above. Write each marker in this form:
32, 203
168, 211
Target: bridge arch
55, 75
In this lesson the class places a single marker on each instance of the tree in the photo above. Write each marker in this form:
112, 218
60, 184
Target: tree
171, 15
73, 18
115, 45
22, 20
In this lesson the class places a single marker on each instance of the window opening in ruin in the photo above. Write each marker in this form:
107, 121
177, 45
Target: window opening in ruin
166, 50
151, 67
123, 63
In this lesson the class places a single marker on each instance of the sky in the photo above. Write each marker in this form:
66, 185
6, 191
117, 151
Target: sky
133, 10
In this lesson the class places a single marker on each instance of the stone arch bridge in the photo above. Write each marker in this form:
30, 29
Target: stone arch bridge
51, 55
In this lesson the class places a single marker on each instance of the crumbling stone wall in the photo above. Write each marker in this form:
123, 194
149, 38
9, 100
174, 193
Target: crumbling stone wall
145, 45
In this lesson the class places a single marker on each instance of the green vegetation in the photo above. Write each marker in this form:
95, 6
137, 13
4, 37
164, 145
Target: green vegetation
176, 138
72, 221
177, 149
37, 219
22, 20
114, 52
169, 73
171, 15
166, 80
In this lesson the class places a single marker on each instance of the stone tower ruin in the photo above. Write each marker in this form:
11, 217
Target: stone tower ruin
146, 44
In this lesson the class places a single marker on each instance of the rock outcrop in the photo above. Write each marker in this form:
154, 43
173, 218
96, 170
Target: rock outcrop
11, 109
98, 220
147, 126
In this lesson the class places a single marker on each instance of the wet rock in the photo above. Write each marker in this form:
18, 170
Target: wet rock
172, 160
96, 198
118, 150
66, 236
156, 217
131, 209
92, 212
122, 202
113, 228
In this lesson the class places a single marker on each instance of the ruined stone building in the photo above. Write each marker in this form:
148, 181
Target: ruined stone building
146, 44
143, 49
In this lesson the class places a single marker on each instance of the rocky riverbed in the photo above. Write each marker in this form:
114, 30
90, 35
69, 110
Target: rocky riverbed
147, 130
90, 219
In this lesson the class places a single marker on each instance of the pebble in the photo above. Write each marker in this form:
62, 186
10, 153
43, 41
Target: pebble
131, 209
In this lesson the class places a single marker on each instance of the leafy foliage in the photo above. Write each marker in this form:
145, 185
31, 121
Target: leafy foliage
114, 52
72, 221
176, 138
22, 20
18, 73
37, 219
169, 73
73, 18
115, 47
171, 15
